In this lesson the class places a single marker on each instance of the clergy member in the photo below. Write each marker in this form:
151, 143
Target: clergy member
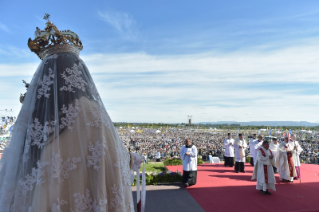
257, 145
158, 156
240, 146
189, 157
229, 151
252, 149
274, 148
285, 162
263, 170
297, 150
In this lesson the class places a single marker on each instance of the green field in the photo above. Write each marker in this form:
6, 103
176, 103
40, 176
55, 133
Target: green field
154, 166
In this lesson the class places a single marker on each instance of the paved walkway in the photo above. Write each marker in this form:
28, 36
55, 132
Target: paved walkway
168, 198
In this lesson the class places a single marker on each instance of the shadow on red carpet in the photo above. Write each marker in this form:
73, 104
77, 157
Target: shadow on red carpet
219, 188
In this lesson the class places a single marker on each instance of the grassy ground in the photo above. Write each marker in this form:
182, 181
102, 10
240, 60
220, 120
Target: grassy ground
154, 166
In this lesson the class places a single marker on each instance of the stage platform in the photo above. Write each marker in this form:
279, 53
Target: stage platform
219, 188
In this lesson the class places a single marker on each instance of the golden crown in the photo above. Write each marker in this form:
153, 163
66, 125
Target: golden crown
51, 41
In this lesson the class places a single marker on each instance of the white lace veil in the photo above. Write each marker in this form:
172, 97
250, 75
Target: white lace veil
64, 153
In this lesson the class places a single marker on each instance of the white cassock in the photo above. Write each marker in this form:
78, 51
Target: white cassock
158, 155
274, 148
251, 148
240, 152
263, 162
282, 163
256, 146
229, 149
297, 152
189, 161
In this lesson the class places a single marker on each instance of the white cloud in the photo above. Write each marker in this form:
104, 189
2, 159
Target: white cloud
122, 22
238, 86
14, 52
4, 27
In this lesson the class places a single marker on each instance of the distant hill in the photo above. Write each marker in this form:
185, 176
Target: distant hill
265, 123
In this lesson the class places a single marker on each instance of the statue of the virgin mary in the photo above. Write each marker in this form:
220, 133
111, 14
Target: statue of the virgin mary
64, 153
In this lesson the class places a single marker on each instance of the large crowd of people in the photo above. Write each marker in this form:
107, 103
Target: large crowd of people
168, 142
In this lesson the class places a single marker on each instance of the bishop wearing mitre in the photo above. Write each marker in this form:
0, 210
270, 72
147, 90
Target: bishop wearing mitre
285, 160
263, 170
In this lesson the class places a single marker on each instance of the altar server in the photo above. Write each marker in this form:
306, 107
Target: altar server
229, 151
189, 157
158, 156
252, 149
263, 170
285, 163
240, 146
296, 156
274, 148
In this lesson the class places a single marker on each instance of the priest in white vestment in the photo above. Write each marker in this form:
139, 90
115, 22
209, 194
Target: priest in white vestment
240, 146
296, 156
252, 149
274, 148
189, 157
263, 170
229, 151
257, 145
285, 163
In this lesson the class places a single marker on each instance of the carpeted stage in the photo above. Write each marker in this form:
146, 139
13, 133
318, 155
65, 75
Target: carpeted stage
219, 188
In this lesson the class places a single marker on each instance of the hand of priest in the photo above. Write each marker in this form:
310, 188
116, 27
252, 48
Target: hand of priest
187, 153
271, 156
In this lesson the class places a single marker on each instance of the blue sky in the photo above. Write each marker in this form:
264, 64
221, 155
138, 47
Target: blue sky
159, 61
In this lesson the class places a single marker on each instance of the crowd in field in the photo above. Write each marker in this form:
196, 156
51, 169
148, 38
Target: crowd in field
168, 142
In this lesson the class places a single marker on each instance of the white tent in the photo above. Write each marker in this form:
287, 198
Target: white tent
158, 131
132, 131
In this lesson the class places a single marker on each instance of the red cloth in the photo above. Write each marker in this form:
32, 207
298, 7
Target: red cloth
290, 162
218, 185
265, 166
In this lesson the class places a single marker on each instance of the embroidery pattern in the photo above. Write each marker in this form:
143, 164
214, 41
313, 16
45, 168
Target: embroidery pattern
97, 153
73, 79
61, 168
56, 207
124, 159
36, 133
94, 91
99, 206
82, 201
99, 116
34, 178
70, 115
117, 201
45, 83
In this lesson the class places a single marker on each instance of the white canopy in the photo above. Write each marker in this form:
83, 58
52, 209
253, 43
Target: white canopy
158, 131
132, 131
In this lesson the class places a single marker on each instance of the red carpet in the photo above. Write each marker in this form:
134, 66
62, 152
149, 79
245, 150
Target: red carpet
219, 188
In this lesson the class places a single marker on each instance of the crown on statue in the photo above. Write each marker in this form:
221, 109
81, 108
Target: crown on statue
51, 41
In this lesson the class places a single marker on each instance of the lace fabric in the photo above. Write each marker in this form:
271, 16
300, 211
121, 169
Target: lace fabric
64, 153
